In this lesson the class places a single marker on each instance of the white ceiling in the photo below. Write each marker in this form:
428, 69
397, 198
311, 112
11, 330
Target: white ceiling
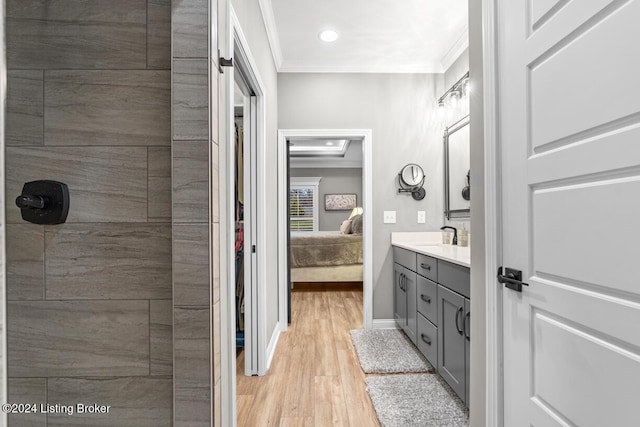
383, 36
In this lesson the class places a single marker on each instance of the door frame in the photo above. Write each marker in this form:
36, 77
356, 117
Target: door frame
231, 35
283, 208
493, 222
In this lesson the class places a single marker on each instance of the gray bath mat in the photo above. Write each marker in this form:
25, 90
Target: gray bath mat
387, 351
415, 400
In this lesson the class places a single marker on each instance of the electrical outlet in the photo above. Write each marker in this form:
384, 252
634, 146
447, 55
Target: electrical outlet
389, 217
422, 217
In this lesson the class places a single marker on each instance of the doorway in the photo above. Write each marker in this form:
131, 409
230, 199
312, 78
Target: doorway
246, 210
284, 137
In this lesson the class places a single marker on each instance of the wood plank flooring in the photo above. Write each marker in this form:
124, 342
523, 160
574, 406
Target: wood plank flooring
315, 378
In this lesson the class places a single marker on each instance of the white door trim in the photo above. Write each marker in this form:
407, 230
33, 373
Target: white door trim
493, 223
258, 303
283, 201
231, 34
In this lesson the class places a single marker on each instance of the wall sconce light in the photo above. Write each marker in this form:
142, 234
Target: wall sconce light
449, 103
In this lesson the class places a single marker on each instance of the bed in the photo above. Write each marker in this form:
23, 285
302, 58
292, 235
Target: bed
326, 256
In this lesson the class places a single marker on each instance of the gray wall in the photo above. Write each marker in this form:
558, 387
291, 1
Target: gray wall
89, 301
459, 67
400, 110
334, 181
250, 17
196, 292
478, 285
456, 70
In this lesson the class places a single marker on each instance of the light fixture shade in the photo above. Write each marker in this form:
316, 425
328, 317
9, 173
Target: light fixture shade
453, 99
356, 211
328, 36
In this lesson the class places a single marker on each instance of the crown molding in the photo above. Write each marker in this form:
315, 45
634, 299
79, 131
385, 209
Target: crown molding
429, 68
269, 20
456, 50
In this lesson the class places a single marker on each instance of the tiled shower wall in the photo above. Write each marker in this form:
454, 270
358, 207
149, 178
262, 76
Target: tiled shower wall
90, 301
195, 215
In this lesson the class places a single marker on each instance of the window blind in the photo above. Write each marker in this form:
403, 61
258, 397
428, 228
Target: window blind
301, 208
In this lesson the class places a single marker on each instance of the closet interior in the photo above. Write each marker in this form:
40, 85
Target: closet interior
239, 216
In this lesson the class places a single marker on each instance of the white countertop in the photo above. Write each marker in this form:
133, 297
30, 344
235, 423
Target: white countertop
430, 244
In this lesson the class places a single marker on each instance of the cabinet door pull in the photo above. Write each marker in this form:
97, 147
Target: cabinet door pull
425, 266
402, 276
458, 313
425, 298
467, 329
426, 339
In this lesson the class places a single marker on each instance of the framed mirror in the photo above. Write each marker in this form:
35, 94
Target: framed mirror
457, 171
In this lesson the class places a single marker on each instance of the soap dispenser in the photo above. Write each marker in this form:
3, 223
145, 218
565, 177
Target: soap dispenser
463, 236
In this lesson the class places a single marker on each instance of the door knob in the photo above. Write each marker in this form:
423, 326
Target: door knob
511, 278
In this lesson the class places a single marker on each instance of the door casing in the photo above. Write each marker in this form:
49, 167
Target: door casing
283, 211
492, 224
233, 44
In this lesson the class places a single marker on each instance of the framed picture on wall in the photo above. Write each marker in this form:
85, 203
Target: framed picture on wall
340, 202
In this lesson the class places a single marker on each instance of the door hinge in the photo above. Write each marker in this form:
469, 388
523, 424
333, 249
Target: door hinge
511, 278
253, 249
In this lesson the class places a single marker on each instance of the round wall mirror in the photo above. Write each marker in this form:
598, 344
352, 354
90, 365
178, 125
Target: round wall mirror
412, 175
411, 179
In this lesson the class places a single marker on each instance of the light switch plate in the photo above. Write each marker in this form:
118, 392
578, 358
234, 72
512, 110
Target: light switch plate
389, 217
422, 217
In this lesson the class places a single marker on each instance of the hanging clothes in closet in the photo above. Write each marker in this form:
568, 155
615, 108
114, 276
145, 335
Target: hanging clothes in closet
239, 229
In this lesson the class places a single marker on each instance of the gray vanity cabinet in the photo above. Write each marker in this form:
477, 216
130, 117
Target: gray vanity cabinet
467, 347
431, 305
405, 310
451, 339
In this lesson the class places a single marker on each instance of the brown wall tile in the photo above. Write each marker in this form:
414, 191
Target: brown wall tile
190, 100
161, 335
108, 261
25, 262
77, 338
191, 272
76, 34
190, 20
107, 108
191, 366
140, 402
190, 181
160, 161
27, 390
106, 184
25, 107
159, 34
193, 407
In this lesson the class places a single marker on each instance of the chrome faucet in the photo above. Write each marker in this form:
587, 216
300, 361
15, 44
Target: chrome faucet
455, 234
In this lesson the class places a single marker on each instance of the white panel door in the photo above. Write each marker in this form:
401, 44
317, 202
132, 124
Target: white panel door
569, 126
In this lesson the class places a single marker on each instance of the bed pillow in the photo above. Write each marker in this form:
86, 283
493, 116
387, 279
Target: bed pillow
345, 228
356, 224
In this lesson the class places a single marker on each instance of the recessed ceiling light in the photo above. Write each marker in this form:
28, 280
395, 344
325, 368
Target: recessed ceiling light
328, 36
329, 143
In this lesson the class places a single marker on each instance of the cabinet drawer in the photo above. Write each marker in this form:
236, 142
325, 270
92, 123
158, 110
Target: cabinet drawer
405, 258
427, 340
454, 277
427, 267
427, 299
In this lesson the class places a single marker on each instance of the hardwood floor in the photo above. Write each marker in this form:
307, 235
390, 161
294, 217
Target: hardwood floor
315, 378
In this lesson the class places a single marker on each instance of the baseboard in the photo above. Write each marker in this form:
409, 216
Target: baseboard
273, 344
384, 324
